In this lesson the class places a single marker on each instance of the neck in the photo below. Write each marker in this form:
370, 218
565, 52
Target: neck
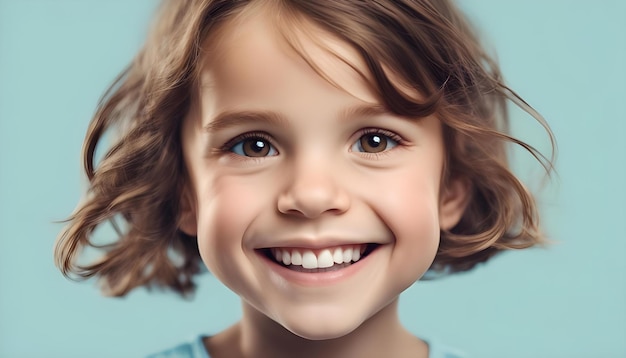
259, 336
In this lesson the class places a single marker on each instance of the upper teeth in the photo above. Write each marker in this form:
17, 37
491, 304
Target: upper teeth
325, 258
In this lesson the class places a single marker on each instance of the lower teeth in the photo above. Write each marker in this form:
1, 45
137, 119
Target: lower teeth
334, 267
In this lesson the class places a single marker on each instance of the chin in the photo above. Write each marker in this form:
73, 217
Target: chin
320, 334
317, 329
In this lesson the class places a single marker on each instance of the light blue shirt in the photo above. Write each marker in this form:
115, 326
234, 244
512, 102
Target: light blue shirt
195, 349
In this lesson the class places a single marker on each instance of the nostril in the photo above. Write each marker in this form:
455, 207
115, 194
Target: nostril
316, 197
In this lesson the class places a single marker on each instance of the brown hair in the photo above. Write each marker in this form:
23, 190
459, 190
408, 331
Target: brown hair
425, 43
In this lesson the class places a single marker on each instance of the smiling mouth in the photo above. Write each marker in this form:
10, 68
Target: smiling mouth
319, 260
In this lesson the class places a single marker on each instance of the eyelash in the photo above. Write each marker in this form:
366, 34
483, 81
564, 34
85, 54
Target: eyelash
245, 136
384, 132
228, 146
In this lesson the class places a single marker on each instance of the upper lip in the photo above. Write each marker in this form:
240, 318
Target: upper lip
316, 243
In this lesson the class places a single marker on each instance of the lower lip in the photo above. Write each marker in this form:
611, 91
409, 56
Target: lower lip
317, 278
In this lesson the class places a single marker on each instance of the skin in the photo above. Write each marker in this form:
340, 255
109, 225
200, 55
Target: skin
314, 186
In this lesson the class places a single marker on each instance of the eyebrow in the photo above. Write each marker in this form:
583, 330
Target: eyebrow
368, 110
228, 119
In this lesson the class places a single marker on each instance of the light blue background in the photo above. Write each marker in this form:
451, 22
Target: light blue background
567, 58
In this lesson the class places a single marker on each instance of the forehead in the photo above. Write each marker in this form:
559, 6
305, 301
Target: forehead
256, 44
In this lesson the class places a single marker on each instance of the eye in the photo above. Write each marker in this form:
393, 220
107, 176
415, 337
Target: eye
375, 141
253, 146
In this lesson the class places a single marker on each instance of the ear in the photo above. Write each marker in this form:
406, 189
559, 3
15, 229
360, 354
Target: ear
187, 218
453, 201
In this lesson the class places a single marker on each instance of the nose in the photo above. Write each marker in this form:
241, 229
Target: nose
313, 190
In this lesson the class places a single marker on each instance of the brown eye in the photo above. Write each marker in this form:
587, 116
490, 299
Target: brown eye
373, 143
376, 141
254, 147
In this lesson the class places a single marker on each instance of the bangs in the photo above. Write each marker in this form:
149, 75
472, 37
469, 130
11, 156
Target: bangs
385, 65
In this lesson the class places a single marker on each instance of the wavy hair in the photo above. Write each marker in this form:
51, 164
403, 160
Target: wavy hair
427, 44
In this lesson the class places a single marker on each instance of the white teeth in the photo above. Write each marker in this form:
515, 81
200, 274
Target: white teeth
309, 260
286, 257
338, 256
356, 254
296, 258
347, 255
324, 259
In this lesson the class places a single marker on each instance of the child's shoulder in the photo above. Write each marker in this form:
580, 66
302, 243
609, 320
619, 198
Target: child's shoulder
437, 350
195, 349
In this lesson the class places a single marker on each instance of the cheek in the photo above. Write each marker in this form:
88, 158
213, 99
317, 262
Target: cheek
409, 201
227, 207
409, 207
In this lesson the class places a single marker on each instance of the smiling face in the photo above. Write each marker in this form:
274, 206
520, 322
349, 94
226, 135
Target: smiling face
309, 200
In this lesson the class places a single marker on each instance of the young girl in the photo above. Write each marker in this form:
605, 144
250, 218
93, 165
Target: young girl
318, 157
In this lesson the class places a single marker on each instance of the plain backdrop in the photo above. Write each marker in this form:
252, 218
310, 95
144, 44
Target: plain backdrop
566, 58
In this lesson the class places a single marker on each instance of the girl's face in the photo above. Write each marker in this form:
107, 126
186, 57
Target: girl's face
285, 166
